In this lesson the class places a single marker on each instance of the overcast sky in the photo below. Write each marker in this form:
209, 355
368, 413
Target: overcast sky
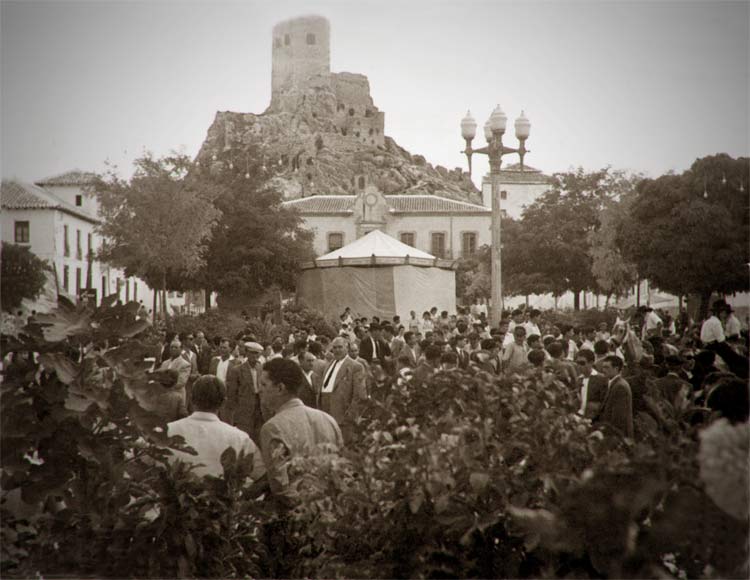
644, 86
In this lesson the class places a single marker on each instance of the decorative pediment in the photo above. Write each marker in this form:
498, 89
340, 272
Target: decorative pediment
370, 207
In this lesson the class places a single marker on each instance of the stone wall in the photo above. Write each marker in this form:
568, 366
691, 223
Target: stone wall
300, 54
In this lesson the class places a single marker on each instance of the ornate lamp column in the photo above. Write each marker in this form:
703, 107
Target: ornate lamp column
494, 129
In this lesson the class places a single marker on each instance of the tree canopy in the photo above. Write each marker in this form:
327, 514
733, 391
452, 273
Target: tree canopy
23, 275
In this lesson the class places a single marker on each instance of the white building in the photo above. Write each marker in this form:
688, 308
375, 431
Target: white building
57, 220
443, 227
519, 187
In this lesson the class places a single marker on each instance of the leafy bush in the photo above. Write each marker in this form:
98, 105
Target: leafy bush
215, 322
588, 317
87, 487
300, 315
23, 275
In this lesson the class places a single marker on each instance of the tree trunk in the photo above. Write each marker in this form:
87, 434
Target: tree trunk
597, 301
527, 302
576, 301
156, 305
606, 301
164, 296
638, 292
207, 299
555, 297
705, 303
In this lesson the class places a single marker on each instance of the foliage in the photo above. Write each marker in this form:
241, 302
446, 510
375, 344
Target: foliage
23, 275
299, 315
588, 317
87, 485
468, 476
685, 243
473, 276
214, 322
613, 274
157, 223
257, 243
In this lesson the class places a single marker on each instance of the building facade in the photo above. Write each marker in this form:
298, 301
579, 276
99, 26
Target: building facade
443, 227
518, 188
57, 219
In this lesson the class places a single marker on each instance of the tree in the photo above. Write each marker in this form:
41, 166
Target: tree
257, 244
685, 243
473, 276
156, 225
23, 275
613, 274
551, 251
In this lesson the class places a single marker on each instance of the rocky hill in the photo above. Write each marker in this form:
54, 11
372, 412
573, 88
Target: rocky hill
319, 145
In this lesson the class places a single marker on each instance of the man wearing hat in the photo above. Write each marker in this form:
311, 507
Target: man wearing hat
242, 406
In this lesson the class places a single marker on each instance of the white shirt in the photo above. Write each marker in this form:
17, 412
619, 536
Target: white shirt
308, 376
652, 321
222, 368
585, 392
210, 437
532, 328
330, 376
733, 326
712, 331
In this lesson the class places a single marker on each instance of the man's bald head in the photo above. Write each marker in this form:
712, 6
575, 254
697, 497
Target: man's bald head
339, 347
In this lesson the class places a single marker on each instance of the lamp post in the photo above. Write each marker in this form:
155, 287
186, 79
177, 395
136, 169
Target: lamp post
494, 129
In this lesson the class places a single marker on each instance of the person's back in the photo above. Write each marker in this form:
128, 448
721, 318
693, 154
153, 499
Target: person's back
209, 435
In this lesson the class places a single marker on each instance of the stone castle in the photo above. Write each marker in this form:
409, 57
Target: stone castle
322, 133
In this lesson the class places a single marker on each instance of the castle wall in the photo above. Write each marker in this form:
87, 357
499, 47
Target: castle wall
300, 54
356, 115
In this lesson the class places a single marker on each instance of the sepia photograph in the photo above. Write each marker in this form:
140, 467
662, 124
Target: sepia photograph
375, 289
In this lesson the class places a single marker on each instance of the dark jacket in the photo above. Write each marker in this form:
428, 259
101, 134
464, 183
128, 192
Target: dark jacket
617, 409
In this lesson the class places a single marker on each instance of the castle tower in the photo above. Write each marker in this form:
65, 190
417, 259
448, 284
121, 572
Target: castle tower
301, 54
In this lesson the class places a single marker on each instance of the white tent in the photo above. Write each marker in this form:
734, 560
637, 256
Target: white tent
377, 275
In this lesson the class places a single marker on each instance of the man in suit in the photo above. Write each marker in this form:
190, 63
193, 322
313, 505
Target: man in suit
373, 347
242, 406
617, 408
177, 362
220, 364
204, 352
672, 387
593, 386
458, 346
410, 348
429, 366
343, 390
310, 390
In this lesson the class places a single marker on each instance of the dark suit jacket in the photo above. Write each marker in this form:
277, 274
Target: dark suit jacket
344, 402
365, 350
215, 363
242, 407
617, 409
204, 359
596, 394
463, 358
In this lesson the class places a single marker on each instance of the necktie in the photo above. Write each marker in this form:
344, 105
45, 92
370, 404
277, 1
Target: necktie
330, 374
374, 348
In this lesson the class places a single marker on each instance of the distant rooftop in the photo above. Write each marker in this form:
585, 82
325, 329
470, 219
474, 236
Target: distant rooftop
74, 177
19, 195
409, 204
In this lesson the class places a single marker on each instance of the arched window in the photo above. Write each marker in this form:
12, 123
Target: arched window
351, 112
310, 38
343, 132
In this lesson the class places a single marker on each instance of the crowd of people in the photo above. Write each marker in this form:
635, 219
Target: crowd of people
300, 391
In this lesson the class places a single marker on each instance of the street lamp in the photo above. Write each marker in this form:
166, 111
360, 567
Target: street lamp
494, 129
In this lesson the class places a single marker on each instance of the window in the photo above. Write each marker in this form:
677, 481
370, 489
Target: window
351, 111
335, 241
78, 281
66, 243
503, 195
90, 245
438, 245
408, 239
368, 113
79, 200
277, 42
22, 232
310, 38
79, 252
361, 182
287, 40
468, 244
66, 278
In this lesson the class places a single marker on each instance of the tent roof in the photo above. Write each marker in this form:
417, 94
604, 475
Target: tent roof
377, 243
379, 249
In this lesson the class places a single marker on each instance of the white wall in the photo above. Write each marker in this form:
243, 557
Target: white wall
518, 195
321, 226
